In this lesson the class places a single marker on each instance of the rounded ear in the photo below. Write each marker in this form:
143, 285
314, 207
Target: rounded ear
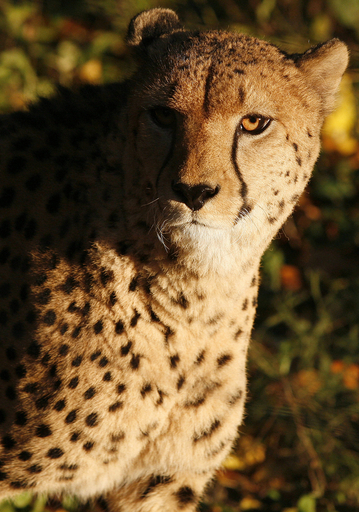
324, 66
149, 25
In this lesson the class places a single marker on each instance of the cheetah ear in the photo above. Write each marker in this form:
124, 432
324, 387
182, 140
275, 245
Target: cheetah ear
150, 25
324, 66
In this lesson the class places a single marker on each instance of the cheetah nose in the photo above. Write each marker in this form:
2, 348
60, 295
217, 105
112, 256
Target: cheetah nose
194, 196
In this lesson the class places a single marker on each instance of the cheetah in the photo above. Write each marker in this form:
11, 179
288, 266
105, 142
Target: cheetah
133, 221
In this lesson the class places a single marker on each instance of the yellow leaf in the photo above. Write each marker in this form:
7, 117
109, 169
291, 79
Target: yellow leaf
250, 503
338, 127
234, 463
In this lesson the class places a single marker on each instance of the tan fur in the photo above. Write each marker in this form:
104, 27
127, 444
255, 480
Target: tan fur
125, 312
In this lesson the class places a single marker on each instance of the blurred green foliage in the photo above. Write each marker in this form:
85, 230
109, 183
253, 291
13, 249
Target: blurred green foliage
299, 448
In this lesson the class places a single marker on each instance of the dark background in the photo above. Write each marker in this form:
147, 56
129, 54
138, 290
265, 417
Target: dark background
299, 448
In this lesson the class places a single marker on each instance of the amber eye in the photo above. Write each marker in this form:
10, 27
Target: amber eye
254, 124
164, 117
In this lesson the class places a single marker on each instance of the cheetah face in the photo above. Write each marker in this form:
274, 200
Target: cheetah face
226, 133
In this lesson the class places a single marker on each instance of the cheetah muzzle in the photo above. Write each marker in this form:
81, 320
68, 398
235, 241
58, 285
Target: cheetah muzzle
133, 220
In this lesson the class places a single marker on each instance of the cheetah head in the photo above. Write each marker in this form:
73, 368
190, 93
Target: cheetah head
224, 130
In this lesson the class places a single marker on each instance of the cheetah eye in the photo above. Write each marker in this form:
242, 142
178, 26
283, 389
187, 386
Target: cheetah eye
164, 117
254, 124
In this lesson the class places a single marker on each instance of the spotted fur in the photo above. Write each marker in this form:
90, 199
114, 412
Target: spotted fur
133, 220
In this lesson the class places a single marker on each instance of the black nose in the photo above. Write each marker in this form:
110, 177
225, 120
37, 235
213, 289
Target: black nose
194, 196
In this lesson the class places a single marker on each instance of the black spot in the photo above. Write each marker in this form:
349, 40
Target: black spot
69, 285
30, 229
77, 361
185, 496
119, 328
107, 377
95, 355
25, 456
3, 317
103, 362
10, 393
5, 290
21, 418
43, 431
146, 388
73, 308
126, 348
42, 154
245, 305
11, 353
45, 359
2, 416
238, 333
20, 371
7, 197
34, 182
54, 453
49, 317
182, 301
200, 357
19, 484
76, 332
71, 417
207, 433
18, 330
8, 442
174, 360
14, 306
180, 382
31, 317
64, 350
115, 406
5, 228
135, 361
31, 387
35, 468
98, 327
299, 161
34, 350
92, 419
224, 359
3, 476
64, 328
154, 317
88, 446
121, 388
4, 255
90, 393
133, 284
135, 318
196, 402
16, 164
53, 204
60, 405
69, 467
73, 383
5, 375
75, 436
236, 397
102, 503
155, 482
42, 402
113, 299
106, 276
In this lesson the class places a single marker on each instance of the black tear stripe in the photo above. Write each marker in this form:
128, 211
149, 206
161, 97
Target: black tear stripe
244, 189
168, 157
207, 88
